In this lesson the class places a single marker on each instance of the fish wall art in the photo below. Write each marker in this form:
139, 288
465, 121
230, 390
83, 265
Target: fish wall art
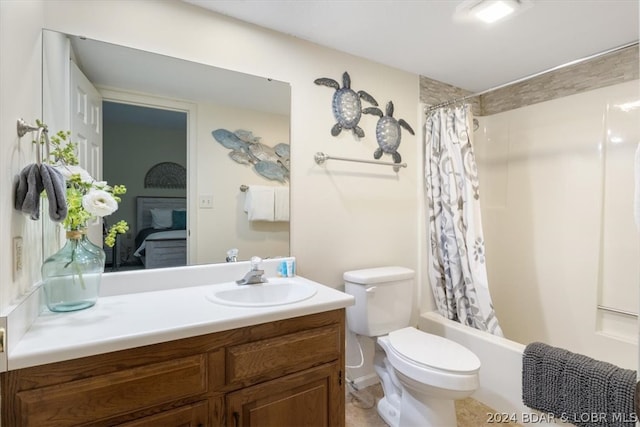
269, 162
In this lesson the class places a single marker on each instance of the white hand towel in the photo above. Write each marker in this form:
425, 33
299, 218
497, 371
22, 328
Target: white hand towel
636, 200
259, 203
281, 211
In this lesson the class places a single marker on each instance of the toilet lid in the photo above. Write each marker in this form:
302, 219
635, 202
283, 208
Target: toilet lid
433, 351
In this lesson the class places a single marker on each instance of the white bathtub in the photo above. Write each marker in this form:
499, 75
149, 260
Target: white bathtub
500, 374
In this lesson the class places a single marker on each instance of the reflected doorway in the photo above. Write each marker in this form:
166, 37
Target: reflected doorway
136, 139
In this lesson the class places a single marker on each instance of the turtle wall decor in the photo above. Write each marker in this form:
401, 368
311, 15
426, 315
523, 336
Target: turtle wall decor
388, 132
346, 104
270, 162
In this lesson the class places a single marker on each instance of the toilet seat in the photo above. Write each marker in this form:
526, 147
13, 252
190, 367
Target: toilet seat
431, 359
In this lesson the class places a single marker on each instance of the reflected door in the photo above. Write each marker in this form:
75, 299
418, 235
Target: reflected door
86, 130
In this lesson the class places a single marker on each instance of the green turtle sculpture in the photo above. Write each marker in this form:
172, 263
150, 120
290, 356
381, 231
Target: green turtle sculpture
346, 105
388, 132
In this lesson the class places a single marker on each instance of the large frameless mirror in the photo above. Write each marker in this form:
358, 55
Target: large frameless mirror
156, 119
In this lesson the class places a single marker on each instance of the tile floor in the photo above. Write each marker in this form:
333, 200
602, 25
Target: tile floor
362, 412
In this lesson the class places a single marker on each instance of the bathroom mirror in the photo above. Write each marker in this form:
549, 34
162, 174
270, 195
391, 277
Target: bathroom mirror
155, 111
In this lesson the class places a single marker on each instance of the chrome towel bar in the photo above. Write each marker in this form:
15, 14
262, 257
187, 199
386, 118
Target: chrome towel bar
320, 158
617, 311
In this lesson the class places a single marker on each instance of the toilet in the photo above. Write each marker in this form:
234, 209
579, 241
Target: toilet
421, 374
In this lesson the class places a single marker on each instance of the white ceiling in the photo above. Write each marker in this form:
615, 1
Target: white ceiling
420, 36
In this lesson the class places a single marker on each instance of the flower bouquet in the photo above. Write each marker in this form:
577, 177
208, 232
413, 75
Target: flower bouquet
71, 277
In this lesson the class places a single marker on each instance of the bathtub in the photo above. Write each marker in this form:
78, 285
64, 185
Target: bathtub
500, 374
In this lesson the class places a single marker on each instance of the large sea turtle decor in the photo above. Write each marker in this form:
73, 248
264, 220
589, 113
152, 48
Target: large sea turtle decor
270, 162
346, 105
388, 132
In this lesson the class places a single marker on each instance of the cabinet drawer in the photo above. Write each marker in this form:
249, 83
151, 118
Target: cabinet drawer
113, 394
282, 355
195, 415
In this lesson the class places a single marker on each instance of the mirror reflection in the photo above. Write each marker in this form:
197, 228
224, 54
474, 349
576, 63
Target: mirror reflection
152, 120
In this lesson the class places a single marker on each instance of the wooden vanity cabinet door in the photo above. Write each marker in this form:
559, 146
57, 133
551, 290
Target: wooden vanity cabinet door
311, 398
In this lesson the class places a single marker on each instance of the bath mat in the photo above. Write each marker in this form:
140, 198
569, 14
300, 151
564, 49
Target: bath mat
576, 388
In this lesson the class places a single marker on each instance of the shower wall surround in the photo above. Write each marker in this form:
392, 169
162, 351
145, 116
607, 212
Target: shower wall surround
556, 183
543, 165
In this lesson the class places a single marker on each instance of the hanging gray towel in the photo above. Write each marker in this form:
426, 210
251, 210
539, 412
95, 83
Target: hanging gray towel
28, 186
56, 190
30, 183
576, 388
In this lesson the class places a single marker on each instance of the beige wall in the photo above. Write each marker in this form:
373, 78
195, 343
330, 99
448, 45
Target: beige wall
20, 76
344, 215
226, 225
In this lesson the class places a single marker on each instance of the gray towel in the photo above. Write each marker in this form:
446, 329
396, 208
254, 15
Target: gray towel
56, 189
28, 186
30, 183
576, 388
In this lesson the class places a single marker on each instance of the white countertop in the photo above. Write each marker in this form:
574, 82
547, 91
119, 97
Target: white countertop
125, 321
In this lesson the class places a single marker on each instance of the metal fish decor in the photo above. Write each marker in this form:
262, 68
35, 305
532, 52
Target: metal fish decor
346, 105
270, 162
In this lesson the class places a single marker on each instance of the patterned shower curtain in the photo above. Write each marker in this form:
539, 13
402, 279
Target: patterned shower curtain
457, 268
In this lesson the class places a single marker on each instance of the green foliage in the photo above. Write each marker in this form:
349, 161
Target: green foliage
84, 203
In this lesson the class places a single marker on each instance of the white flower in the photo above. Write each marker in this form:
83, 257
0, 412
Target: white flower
99, 203
68, 170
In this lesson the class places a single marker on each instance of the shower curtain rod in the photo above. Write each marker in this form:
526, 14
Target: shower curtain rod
558, 67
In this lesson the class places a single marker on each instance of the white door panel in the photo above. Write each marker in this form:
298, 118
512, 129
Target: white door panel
86, 130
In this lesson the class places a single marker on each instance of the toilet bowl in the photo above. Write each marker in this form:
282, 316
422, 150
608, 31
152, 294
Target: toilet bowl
432, 372
421, 374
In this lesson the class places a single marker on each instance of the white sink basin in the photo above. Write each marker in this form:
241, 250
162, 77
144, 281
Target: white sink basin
277, 291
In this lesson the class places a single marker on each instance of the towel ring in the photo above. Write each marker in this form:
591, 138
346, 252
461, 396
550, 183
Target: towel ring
23, 128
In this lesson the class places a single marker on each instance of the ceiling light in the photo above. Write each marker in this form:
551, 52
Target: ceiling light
492, 11
489, 11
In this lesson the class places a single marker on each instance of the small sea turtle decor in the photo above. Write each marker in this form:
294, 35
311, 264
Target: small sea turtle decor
270, 162
388, 132
346, 105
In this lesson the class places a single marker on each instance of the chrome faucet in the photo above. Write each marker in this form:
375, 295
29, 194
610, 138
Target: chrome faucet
255, 275
232, 255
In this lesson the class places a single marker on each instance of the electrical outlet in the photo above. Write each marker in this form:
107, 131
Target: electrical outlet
206, 201
17, 257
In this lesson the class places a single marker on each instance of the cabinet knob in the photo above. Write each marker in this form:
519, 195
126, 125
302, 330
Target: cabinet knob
236, 419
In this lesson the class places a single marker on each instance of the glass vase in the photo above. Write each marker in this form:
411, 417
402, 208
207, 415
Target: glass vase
71, 277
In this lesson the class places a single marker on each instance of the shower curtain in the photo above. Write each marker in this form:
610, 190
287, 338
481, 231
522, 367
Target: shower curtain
457, 269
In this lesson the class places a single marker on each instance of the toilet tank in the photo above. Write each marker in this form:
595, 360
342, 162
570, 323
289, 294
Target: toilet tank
383, 298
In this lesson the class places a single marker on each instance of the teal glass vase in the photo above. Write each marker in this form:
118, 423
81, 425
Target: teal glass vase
71, 277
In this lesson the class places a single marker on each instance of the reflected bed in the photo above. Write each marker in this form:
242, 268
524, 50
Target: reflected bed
161, 235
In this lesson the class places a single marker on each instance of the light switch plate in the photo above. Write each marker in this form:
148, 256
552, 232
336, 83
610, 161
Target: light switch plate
206, 201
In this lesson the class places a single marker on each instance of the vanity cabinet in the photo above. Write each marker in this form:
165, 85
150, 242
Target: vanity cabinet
282, 373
